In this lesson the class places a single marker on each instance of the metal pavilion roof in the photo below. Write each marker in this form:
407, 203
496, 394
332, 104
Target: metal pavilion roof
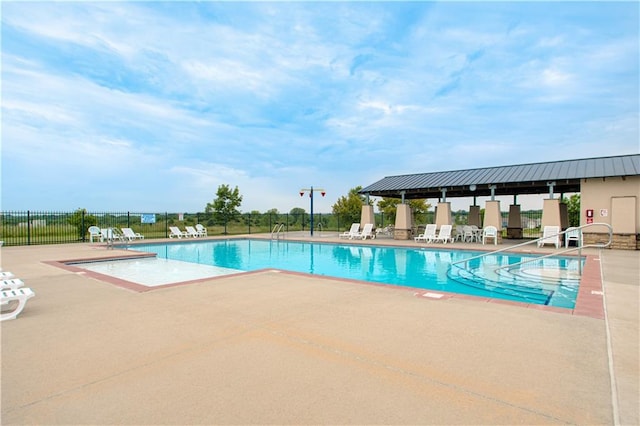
507, 180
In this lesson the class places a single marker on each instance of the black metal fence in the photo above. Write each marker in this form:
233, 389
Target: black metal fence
34, 228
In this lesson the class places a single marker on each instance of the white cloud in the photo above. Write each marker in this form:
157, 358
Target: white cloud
157, 105
555, 78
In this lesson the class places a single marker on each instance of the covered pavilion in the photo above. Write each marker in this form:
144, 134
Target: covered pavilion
609, 189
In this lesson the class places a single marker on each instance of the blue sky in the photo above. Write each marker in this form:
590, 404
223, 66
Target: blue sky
148, 106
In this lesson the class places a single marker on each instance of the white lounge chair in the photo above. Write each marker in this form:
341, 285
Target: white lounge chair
355, 227
11, 284
130, 235
444, 235
110, 234
550, 235
5, 275
94, 232
429, 234
573, 234
367, 232
191, 232
490, 232
176, 232
201, 230
21, 295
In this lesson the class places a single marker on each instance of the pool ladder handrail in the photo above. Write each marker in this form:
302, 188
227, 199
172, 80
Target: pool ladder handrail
555, 253
113, 235
277, 231
111, 238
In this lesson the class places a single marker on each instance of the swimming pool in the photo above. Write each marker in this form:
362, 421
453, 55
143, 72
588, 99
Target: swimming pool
552, 281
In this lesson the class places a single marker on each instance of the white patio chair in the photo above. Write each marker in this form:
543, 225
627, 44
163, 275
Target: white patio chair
387, 231
573, 234
458, 235
94, 232
469, 234
490, 232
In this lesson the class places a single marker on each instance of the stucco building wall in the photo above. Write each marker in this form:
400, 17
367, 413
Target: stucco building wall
615, 201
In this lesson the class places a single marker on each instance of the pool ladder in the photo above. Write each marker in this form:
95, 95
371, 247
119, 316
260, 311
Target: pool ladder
278, 231
111, 238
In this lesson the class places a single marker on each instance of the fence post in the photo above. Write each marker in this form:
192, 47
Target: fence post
28, 227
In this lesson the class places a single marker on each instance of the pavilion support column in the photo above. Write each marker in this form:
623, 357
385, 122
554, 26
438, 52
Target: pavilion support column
366, 215
514, 225
493, 217
474, 216
443, 214
551, 213
564, 216
404, 223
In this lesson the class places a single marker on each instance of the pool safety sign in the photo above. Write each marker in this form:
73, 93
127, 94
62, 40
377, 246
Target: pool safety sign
589, 214
148, 218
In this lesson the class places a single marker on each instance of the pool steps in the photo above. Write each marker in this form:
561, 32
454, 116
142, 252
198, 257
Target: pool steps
509, 283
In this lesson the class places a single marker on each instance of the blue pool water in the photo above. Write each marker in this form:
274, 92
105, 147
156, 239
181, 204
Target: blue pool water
551, 281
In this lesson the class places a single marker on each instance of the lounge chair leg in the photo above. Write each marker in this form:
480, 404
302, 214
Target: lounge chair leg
20, 295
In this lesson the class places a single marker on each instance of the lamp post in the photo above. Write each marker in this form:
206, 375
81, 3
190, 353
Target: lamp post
311, 191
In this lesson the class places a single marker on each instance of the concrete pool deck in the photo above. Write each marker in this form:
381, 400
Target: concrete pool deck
280, 348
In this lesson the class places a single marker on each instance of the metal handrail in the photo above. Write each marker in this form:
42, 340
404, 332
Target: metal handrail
113, 235
277, 229
579, 248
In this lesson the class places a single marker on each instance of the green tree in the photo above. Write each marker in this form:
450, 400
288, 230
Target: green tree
296, 215
573, 209
349, 208
271, 217
82, 221
226, 204
253, 218
420, 209
389, 206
